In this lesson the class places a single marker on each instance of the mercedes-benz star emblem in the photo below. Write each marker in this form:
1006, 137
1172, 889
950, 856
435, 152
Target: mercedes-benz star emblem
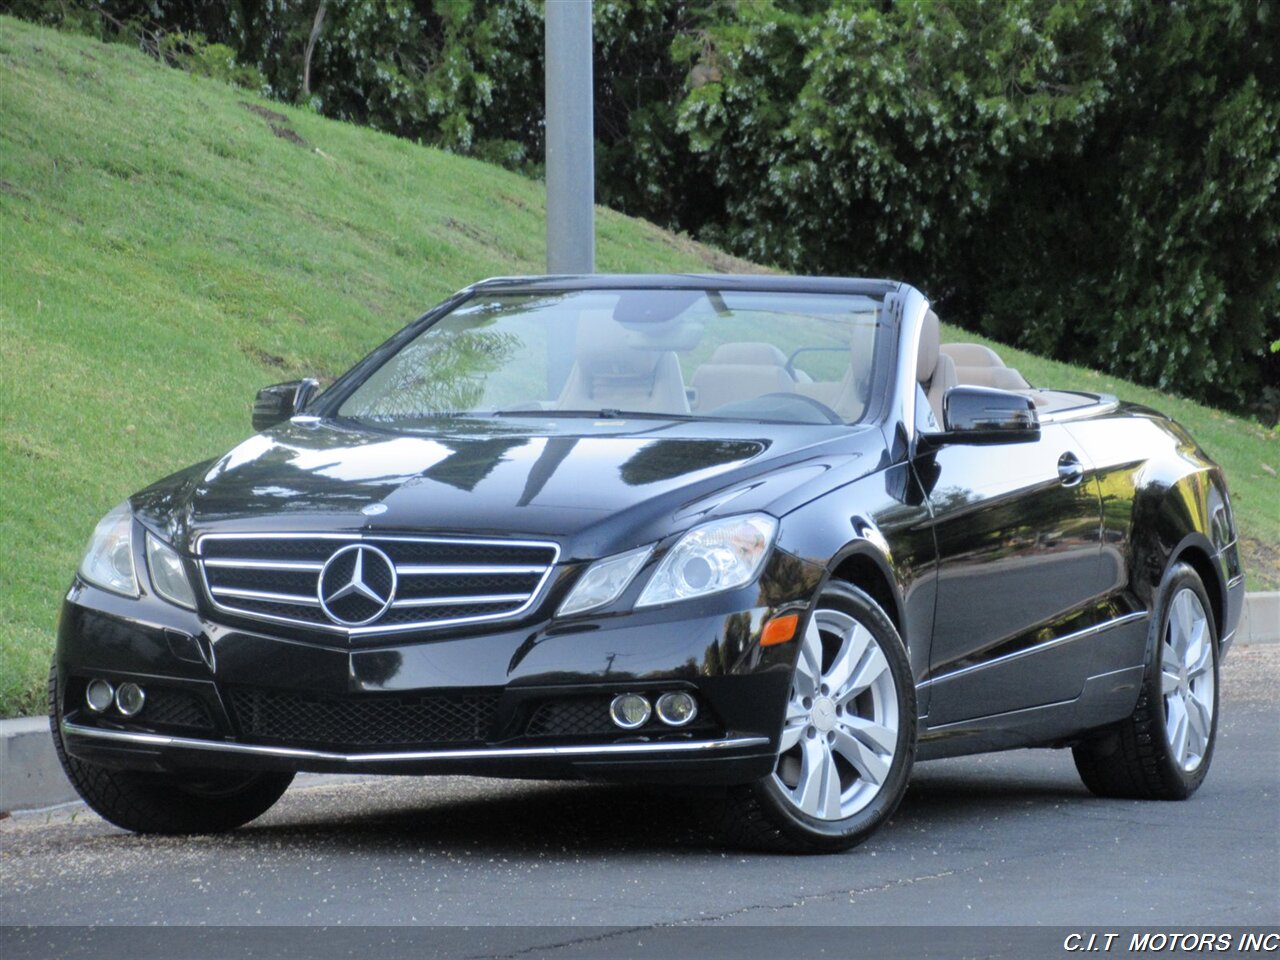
357, 585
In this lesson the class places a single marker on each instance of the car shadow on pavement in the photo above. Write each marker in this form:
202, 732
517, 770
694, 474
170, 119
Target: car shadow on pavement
520, 817
493, 817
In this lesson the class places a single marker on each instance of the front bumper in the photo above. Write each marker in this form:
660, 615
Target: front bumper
717, 759
709, 648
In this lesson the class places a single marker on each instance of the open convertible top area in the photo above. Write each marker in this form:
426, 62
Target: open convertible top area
746, 348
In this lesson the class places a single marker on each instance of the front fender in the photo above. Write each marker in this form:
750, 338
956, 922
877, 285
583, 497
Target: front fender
876, 532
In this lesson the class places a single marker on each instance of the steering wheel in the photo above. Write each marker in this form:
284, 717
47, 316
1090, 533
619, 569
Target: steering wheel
827, 413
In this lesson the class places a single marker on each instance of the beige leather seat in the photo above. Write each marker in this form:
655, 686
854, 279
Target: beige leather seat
935, 370
972, 355
981, 366
847, 396
828, 391
740, 371
609, 372
753, 353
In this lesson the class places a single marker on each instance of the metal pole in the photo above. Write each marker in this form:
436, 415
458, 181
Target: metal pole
571, 167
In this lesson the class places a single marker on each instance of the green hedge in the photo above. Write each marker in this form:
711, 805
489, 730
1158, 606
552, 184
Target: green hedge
1097, 182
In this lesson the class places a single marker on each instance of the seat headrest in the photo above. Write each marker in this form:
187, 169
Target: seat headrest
1002, 378
756, 354
972, 355
930, 341
604, 349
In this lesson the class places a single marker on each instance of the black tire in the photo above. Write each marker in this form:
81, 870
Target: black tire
193, 801
1134, 759
760, 816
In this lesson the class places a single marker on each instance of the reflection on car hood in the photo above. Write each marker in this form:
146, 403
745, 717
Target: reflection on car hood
608, 479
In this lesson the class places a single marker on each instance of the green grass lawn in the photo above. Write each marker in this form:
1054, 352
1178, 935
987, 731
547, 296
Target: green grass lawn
169, 244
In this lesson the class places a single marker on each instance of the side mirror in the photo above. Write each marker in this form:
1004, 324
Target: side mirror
280, 401
985, 415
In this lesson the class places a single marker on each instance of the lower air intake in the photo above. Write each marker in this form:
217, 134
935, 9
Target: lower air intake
363, 721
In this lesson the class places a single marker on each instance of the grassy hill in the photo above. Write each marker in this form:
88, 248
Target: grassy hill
169, 244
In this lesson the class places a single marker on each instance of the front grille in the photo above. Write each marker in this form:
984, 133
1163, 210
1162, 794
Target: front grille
363, 721
398, 583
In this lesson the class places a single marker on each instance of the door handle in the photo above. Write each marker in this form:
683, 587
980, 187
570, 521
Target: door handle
1070, 469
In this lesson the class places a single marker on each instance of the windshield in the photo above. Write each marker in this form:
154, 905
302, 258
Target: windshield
698, 354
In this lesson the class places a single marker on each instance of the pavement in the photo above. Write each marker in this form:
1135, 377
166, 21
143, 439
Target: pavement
1006, 839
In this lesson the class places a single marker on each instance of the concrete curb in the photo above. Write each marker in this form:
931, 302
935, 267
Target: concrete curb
31, 777
1260, 622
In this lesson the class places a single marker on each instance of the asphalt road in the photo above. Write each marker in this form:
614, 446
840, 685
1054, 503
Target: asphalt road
1011, 838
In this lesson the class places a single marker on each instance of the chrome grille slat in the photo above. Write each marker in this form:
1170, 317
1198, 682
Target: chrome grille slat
420, 570
457, 601
439, 581
236, 563
265, 595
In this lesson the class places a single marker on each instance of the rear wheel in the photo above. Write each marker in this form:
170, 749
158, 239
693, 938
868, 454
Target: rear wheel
194, 801
1162, 751
848, 738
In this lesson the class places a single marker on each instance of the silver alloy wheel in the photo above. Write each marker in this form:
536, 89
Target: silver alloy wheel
1187, 680
841, 728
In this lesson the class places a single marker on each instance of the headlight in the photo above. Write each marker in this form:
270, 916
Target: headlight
716, 556
168, 576
604, 581
108, 560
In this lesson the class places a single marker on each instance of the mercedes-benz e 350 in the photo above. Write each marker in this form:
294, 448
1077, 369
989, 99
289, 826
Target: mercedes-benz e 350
766, 535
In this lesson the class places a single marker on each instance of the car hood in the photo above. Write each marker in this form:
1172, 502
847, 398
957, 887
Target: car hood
594, 486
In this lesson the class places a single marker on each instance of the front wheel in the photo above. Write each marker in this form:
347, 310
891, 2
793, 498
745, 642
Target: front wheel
848, 739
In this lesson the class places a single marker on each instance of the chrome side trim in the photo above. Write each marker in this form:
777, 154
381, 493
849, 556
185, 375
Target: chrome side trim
1225, 644
944, 727
1039, 647
602, 751
1104, 405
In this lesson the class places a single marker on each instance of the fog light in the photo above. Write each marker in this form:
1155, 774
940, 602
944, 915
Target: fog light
677, 709
130, 698
98, 695
630, 710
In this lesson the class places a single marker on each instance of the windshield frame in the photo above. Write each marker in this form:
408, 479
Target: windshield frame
882, 365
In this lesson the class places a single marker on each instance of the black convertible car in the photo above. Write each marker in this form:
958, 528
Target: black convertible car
767, 535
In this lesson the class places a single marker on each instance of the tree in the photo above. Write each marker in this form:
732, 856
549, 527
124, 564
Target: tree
1095, 181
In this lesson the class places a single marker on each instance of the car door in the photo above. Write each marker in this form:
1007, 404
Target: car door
1017, 527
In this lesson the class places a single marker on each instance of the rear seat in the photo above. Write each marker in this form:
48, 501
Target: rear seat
980, 366
744, 371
